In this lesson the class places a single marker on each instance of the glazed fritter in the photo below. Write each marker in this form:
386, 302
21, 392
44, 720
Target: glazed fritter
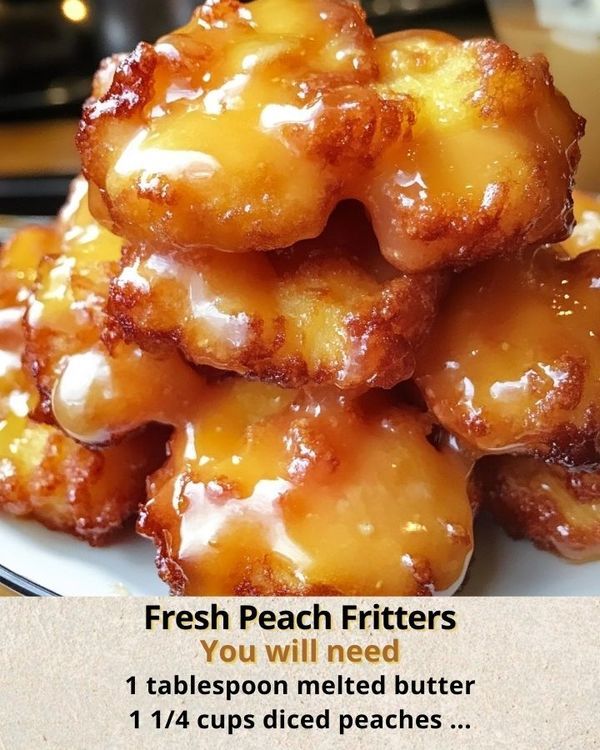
490, 163
240, 124
328, 310
513, 360
272, 492
242, 130
44, 474
94, 386
558, 508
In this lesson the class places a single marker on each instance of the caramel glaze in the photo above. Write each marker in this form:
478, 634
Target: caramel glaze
558, 508
92, 384
243, 129
44, 474
270, 492
586, 235
329, 310
513, 361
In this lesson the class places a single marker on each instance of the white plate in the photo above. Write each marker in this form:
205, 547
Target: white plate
503, 567
65, 566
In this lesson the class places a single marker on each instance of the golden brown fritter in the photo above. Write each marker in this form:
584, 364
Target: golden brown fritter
513, 360
95, 388
272, 491
558, 508
490, 163
242, 131
328, 310
586, 235
238, 125
44, 474
48, 477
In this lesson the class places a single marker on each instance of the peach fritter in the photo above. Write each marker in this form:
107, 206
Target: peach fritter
272, 491
513, 361
242, 130
558, 508
43, 473
94, 386
491, 158
329, 310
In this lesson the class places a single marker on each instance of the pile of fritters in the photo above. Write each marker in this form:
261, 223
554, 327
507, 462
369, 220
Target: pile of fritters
309, 289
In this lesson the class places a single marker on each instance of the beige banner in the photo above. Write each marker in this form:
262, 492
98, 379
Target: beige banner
79, 674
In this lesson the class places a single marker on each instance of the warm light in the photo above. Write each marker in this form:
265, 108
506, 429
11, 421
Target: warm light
74, 10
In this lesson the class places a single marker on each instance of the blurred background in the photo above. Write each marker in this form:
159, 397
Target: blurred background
49, 50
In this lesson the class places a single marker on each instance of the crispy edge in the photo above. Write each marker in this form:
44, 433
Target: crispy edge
512, 490
391, 327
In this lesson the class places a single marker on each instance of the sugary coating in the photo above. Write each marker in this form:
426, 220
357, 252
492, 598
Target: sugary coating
586, 235
105, 74
328, 310
272, 492
94, 386
558, 508
513, 360
242, 130
44, 474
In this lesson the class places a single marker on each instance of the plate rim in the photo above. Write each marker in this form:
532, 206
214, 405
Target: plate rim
22, 585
